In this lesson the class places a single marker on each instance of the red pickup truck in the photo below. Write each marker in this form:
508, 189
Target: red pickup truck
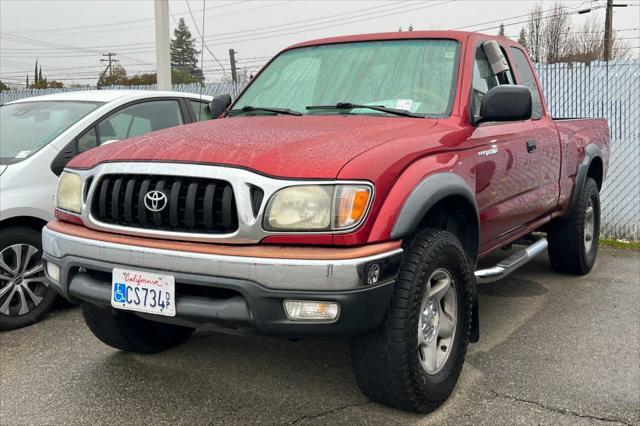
349, 191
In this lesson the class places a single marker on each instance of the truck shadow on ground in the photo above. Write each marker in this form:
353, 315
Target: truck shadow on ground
512, 287
269, 380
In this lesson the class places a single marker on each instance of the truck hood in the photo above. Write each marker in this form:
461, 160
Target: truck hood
284, 146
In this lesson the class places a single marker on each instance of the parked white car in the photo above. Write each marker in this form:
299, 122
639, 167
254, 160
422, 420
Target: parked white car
38, 137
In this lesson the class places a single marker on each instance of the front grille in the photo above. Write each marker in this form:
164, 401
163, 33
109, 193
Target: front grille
192, 204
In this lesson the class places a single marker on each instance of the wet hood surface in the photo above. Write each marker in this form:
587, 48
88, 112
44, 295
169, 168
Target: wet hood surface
296, 147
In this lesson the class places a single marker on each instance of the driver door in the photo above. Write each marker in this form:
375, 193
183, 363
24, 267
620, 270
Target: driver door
505, 171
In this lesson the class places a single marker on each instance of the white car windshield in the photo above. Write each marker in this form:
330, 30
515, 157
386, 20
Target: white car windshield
25, 127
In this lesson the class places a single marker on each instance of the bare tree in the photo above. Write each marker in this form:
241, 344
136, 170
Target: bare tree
556, 35
587, 44
619, 48
534, 31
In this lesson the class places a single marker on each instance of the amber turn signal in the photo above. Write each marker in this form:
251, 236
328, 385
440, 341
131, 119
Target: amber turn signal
352, 203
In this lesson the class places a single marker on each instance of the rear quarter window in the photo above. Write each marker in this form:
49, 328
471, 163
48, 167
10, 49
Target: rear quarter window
526, 78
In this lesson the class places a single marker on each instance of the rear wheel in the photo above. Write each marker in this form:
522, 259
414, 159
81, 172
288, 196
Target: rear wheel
130, 333
573, 241
414, 359
25, 294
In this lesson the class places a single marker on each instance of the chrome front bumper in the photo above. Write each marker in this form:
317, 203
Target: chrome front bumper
276, 274
242, 293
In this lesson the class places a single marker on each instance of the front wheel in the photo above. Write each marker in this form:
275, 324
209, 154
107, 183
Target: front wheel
25, 293
413, 361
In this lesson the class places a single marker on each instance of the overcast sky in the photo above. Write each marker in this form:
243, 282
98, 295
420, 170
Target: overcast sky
68, 37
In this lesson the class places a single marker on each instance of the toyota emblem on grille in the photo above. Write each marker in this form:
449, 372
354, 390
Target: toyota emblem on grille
155, 201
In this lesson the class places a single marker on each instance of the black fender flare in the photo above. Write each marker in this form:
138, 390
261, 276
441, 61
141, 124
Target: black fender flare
591, 151
427, 194
424, 196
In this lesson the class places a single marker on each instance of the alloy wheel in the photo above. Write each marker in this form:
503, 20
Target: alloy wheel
589, 226
437, 321
23, 284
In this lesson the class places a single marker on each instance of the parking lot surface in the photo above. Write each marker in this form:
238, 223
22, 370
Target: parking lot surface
553, 349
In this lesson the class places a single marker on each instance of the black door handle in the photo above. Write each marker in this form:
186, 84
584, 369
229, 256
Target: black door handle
531, 145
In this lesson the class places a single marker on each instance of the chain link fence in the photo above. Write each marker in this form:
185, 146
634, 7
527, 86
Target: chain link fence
212, 89
610, 90
600, 89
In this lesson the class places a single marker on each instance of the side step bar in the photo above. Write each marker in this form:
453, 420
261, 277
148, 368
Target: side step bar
511, 263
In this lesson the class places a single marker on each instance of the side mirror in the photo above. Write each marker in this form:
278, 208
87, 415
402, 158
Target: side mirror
506, 102
109, 141
219, 104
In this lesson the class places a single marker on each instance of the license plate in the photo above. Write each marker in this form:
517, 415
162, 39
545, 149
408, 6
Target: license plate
143, 292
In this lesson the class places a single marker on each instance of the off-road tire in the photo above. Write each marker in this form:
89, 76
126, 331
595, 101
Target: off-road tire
568, 251
386, 360
130, 333
30, 236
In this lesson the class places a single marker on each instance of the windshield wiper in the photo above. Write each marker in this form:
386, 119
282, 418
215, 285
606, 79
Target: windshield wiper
349, 105
249, 108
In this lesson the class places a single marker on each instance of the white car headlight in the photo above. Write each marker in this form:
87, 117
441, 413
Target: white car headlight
317, 208
69, 193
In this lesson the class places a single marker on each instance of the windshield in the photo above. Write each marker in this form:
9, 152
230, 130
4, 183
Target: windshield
412, 75
26, 127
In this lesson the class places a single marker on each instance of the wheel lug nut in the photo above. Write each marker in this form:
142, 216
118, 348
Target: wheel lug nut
443, 347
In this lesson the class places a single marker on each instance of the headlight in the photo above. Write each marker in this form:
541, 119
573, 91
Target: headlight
69, 192
317, 208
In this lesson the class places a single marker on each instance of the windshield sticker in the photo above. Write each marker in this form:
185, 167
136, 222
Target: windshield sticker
405, 104
23, 154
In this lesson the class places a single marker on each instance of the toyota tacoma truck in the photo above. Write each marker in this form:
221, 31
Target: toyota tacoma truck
349, 192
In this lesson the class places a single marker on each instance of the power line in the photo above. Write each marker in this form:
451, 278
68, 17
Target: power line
292, 25
247, 31
109, 24
203, 44
306, 28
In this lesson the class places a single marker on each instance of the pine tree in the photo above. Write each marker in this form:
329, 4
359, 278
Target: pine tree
184, 55
501, 30
40, 79
27, 81
35, 73
522, 39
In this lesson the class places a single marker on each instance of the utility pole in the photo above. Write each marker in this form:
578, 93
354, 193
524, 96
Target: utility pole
608, 28
110, 60
163, 58
232, 58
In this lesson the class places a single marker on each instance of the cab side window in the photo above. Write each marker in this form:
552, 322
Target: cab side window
526, 78
485, 79
140, 118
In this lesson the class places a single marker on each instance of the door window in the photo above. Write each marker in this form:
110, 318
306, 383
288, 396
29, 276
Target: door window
526, 78
484, 78
140, 118
201, 110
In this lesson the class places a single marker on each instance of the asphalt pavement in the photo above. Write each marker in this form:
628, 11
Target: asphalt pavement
554, 349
